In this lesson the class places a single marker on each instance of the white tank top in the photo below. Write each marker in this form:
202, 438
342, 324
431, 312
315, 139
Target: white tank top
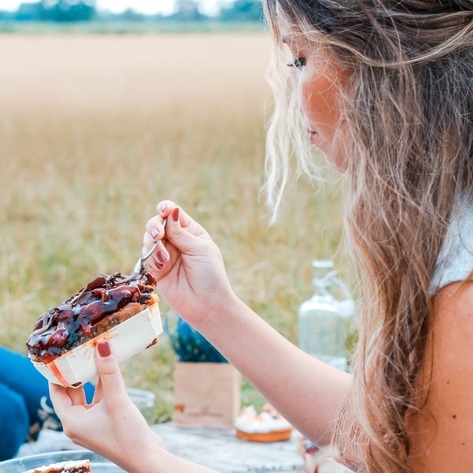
455, 261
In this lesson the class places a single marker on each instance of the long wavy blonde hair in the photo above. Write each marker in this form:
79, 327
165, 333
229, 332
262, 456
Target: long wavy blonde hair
408, 110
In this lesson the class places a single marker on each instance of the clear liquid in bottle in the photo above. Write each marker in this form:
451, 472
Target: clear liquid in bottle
324, 318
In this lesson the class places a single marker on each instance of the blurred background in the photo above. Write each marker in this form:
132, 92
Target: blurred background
108, 107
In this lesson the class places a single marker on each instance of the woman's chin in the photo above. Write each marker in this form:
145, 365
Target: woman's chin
336, 162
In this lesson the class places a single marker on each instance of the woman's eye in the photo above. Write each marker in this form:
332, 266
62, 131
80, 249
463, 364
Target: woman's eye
299, 63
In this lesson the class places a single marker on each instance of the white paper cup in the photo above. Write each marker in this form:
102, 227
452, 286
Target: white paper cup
127, 339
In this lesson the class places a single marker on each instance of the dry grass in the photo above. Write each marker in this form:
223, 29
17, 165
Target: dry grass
95, 130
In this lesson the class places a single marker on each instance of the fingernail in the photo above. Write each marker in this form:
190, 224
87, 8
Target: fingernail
163, 208
175, 214
154, 232
104, 349
162, 257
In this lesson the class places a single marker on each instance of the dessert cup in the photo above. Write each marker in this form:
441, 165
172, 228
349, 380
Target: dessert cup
127, 339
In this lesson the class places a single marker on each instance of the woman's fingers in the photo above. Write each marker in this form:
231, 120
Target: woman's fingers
170, 211
160, 254
112, 384
60, 397
182, 234
67, 396
77, 396
165, 207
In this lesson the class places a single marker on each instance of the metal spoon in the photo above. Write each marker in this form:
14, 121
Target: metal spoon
139, 265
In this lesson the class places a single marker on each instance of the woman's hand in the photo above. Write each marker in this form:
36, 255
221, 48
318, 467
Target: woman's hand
111, 425
188, 266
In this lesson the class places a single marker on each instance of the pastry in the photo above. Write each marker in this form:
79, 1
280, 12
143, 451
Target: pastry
122, 309
265, 426
102, 304
78, 466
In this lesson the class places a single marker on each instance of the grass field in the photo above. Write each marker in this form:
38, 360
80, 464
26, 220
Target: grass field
95, 130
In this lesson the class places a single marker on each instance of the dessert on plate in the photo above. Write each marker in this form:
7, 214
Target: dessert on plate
77, 466
120, 308
265, 426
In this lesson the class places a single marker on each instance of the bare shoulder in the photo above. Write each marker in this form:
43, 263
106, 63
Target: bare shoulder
442, 433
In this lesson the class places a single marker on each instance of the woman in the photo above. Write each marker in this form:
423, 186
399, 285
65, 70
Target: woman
385, 90
25, 406
24, 402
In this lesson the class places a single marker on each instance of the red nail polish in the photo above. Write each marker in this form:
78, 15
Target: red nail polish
175, 214
104, 349
162, 257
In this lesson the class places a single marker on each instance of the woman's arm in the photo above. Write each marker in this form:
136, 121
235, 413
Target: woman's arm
194, 282
304, 390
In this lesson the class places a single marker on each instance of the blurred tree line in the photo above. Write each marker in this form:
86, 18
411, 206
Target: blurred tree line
86, 10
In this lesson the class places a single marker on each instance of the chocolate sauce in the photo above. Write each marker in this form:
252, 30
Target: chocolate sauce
65, 326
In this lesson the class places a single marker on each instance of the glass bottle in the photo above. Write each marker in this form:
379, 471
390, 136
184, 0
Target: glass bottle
323, 319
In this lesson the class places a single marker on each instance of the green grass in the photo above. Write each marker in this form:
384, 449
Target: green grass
95, 130
130, 27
